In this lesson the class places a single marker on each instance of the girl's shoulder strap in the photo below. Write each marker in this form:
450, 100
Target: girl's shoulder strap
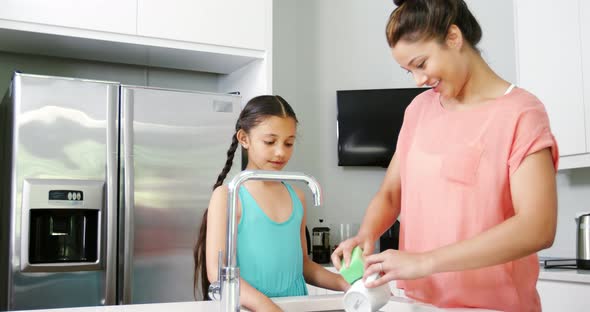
294, 197
291, 190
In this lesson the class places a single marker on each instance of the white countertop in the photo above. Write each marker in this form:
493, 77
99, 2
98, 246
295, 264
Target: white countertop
318, 303
565, 275
288, 304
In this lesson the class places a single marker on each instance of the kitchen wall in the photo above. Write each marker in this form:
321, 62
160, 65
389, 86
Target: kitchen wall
323, 46
128, 74
320, 47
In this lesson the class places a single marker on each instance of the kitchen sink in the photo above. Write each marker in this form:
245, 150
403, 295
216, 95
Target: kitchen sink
333, 303
322, 303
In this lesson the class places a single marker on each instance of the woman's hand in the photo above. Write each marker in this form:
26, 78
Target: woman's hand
397, 265
345, 248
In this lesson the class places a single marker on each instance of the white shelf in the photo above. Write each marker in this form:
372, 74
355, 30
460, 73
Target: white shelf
41, 39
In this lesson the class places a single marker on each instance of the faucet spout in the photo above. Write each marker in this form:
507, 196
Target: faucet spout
229, 278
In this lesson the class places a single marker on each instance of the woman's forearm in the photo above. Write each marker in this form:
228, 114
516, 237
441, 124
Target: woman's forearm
380, 215
384, 208
508, 241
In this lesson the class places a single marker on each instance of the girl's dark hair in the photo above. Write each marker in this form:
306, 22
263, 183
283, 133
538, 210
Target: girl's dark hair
255, 111
415, 20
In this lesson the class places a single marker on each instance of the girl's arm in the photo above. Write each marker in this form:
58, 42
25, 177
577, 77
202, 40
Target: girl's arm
314, 273
250, 298
531, 229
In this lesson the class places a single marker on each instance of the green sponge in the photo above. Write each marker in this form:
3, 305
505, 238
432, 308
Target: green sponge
356, 269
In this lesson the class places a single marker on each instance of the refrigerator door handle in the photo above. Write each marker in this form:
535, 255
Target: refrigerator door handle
127, 121
112, 149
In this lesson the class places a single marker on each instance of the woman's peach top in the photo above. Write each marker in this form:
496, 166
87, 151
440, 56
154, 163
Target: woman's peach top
455, 171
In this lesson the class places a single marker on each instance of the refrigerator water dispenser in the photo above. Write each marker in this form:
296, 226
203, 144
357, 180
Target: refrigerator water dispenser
61, 225
63, 235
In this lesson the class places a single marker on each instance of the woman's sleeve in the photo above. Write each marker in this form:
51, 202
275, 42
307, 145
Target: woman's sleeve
404, 138
532, 134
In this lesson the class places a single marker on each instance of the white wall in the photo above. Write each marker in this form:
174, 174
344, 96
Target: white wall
324, 46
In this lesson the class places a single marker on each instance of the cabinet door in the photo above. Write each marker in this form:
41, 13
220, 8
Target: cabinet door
585, 40
231, 23
550, 65
118, 16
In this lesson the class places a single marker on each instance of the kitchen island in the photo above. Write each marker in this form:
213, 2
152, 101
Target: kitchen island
332, 303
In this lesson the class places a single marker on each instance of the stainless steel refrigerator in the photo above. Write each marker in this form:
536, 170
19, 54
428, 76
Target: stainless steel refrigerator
103, 189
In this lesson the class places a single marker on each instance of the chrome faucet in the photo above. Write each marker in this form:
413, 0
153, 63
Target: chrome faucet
227, 285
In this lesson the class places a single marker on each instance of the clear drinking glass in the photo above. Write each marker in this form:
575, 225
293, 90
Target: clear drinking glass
343, 231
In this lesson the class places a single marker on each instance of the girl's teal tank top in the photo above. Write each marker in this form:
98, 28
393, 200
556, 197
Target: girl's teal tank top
269, 253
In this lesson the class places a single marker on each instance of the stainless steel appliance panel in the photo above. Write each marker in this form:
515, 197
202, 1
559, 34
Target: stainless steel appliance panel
174, 147
60, 132
5, 180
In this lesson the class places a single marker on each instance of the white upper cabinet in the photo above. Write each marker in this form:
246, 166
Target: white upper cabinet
585, 37
118, 16
217, 36
231, 23
550, 38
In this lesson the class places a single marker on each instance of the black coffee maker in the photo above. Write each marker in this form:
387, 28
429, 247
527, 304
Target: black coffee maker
321, 244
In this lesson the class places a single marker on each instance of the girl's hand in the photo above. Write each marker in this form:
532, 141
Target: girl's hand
269, 307
344, 285
397, 265
345, 248
273, 308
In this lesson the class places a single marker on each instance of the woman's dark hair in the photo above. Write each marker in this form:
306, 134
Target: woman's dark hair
415, 20
255, 111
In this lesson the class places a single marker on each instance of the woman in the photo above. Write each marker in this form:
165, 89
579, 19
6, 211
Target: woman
473, 176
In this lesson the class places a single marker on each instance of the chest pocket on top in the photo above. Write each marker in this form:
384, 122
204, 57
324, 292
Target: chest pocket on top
461, 164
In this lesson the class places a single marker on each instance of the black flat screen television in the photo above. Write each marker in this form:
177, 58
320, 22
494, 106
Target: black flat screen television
369, 122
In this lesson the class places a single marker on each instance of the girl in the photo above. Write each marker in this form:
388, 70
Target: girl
271, 248
473, 176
